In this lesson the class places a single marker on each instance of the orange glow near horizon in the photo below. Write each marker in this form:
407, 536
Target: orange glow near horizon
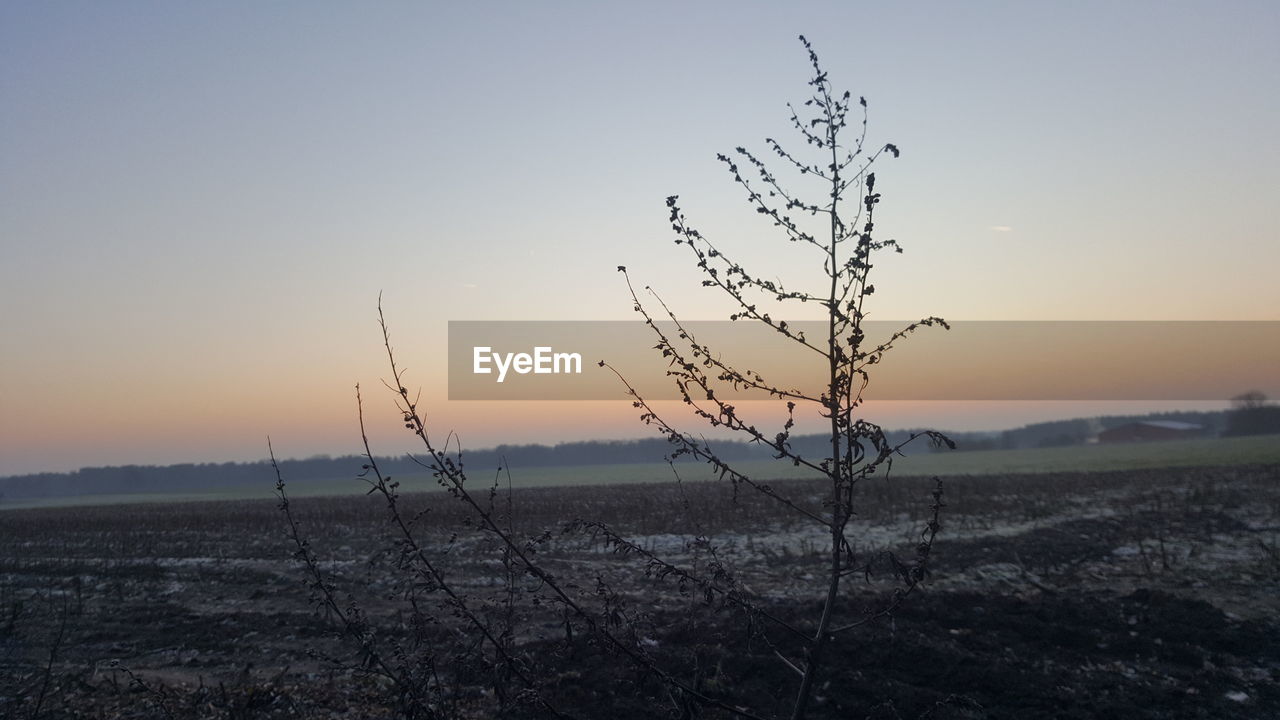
192, 260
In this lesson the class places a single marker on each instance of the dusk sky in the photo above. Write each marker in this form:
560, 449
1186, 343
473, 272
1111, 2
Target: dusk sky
200, 203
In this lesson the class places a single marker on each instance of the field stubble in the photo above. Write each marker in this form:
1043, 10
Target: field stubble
1142, 593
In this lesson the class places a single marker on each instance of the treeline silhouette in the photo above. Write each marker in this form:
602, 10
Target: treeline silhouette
202, 477
1062, 433
193, 477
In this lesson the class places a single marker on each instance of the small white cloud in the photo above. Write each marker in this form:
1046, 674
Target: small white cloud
469, 285
1001, 228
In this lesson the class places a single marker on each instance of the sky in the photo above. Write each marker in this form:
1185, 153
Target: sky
200, 203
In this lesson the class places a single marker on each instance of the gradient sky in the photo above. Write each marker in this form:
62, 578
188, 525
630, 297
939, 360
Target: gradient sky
199, 203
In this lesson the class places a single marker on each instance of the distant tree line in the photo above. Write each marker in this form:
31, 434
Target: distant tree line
1251, 415
1062, 433
199, 477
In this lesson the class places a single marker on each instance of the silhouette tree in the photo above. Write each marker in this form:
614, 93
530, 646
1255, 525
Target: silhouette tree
1249, 401
1250, 414
454, 636
841, 225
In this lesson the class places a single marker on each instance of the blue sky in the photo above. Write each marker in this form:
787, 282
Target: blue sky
199, 203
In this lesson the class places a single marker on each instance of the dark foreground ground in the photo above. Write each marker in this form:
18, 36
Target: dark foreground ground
1142, 594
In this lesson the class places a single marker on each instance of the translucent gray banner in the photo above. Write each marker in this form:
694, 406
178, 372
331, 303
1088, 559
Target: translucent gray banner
975, 360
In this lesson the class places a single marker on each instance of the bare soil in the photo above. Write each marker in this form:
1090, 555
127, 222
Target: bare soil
1137, 594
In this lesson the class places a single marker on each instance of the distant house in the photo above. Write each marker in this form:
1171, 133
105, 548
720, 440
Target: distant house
1151, 430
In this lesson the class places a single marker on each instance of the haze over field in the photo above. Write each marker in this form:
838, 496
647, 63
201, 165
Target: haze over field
199, 204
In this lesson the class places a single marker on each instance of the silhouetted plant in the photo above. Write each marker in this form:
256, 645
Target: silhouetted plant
858, 448
542, 621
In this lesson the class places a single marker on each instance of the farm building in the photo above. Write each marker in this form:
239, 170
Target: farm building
1150, 430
